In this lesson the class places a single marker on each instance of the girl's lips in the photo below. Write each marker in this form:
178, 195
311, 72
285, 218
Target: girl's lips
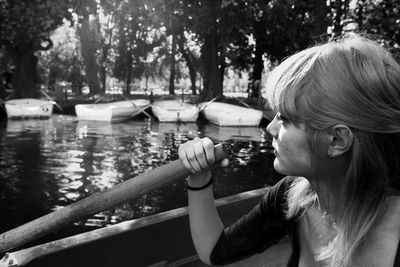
276, 153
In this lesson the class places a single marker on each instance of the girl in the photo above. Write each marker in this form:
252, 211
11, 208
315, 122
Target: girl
336, 136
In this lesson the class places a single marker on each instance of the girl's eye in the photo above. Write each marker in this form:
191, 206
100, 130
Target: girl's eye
281, 118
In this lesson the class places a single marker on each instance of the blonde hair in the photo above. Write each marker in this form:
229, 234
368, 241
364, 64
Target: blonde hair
353, 81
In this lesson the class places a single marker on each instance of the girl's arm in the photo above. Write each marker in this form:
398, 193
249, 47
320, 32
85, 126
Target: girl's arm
205, 223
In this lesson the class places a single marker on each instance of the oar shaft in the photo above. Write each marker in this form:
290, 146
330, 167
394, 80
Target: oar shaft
130, 189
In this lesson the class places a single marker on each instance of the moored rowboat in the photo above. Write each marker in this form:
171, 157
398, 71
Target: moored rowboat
223, 114
175, 111
29, 108
112, 112
159, 240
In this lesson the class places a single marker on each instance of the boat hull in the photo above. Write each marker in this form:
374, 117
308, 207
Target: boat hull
163, 239
111, 112
175, 111
223, 114
29, 108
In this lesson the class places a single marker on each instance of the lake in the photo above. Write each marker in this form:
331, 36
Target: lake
48, 164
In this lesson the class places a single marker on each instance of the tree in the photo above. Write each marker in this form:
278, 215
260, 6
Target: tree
56, 63
138, 33
276, 29
190, 60
203, 19
109, 9
380, 19
177, 18
339, 15
25, 29
89, 35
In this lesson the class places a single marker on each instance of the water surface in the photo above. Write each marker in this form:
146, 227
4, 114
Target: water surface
48, 164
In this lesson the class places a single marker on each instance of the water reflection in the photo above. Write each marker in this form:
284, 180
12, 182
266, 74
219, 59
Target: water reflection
221, 134
48, 164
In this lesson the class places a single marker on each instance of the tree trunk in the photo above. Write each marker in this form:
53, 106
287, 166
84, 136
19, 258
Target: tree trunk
172, 73
212, 84
25, 78
88, 38
129, 65
189, 62
103, 72
221, 62
260, 30
106, 45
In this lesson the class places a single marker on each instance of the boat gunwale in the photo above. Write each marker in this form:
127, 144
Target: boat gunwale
26, 255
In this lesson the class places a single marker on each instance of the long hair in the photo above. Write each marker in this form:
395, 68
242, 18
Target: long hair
353, 81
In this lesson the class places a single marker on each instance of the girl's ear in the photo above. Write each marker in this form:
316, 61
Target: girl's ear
341, 139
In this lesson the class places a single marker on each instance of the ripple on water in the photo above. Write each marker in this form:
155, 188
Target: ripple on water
65, 160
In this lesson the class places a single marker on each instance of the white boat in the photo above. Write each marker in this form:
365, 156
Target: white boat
223, 114
175, 111
112, 112
29, 108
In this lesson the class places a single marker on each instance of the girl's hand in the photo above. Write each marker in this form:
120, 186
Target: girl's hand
197, 155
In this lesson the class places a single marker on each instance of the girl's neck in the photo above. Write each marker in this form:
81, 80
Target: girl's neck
328, 197
328, 181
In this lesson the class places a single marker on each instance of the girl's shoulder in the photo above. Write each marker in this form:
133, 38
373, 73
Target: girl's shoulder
291, 195
288, 182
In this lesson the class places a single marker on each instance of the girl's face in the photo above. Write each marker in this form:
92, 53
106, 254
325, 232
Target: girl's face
294, 156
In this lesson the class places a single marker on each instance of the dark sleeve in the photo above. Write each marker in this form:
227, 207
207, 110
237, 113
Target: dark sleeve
397, 259
262, 227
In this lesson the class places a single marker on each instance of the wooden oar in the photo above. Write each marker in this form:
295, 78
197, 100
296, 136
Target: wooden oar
52, 100
130, 189
98, 100
209, 102
140, 110
143, 110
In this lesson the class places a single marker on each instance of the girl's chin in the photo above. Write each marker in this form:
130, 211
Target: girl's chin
279, 168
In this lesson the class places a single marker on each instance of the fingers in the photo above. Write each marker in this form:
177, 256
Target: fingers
208, 147
193, 159
182, 156
197, 155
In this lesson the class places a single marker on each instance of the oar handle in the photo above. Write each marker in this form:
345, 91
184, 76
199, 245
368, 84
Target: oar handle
130, 189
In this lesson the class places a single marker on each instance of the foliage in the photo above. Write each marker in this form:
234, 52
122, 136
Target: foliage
138, 33
26, 26
339, 14
31, 19
210, 36
58, 62
381, 19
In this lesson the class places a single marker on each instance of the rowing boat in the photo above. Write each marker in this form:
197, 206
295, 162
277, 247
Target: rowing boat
175, 111
29, 108
158, 240
111, 112
224, 114
163, 239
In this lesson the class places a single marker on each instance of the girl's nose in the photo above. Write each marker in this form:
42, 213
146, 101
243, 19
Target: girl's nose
272, 128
